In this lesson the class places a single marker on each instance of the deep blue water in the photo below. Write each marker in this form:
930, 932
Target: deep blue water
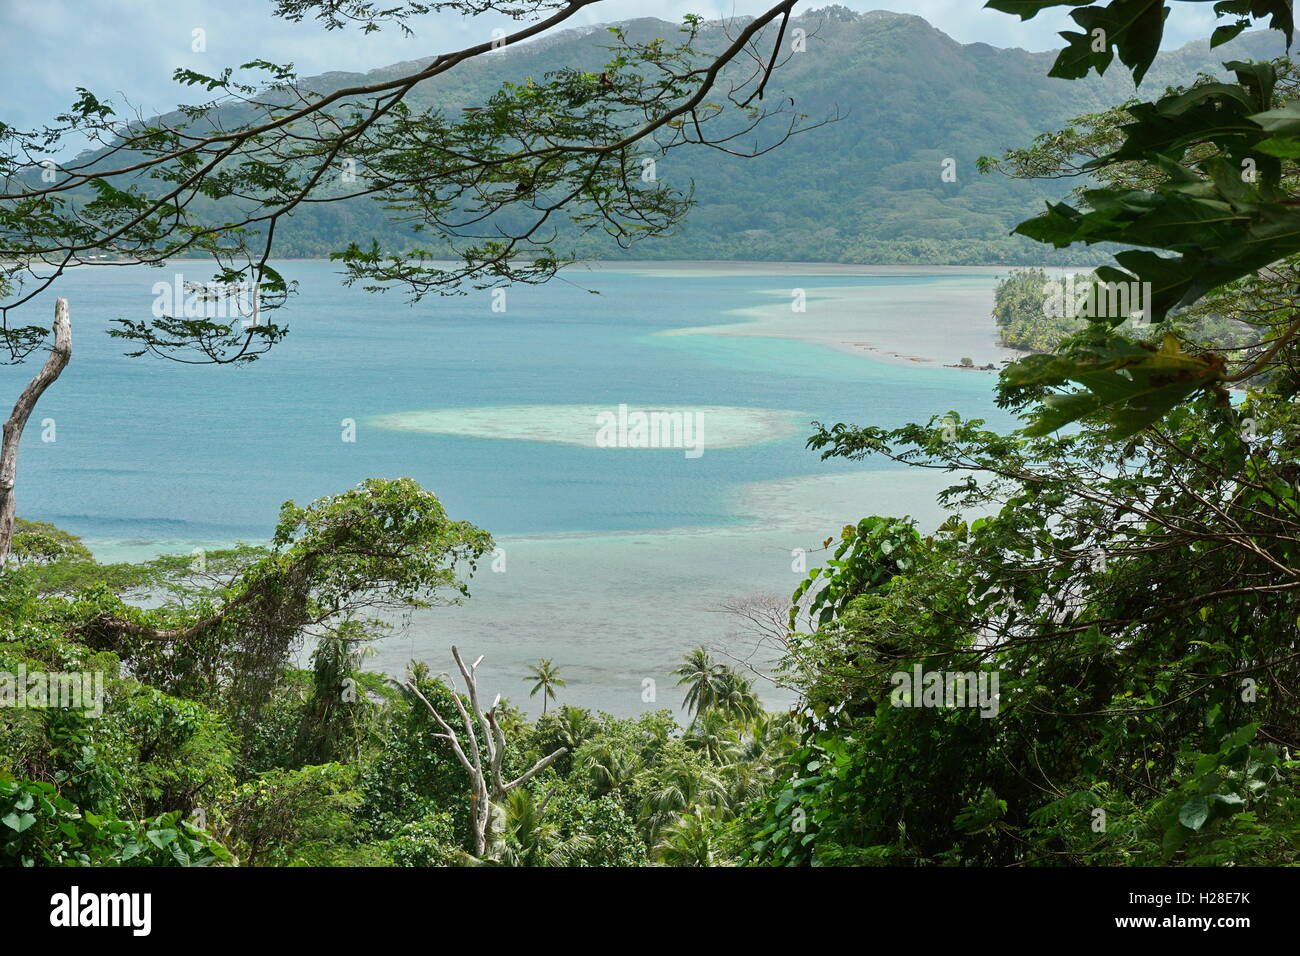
149, 450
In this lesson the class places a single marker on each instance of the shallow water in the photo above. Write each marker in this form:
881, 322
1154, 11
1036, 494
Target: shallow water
616, 558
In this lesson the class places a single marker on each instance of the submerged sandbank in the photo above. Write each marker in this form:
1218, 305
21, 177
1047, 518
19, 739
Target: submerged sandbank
605, 426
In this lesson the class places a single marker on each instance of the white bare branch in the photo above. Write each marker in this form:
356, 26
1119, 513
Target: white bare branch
489, 789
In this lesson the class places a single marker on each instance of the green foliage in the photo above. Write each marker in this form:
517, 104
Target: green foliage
337, 714
181, 752
1020, 315
1141, 696
1024, 322
414, 773
1204, 174
39, 827
867, 557
432, 840
569, 727
38, 542
1137, 693
1132, 29
612, 836
1131, 385
146, 754
384, 545
692, 839
388, 542
292, 816
532, 837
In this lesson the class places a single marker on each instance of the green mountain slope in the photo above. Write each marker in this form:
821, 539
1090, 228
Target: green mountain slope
866, 188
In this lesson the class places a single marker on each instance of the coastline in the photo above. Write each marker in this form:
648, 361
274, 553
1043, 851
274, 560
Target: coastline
949, 322
647, 597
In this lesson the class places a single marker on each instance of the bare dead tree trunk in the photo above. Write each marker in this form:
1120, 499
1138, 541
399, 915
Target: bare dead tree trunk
13, 428
482, 760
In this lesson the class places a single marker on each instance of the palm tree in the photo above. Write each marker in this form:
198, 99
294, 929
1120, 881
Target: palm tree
703, 678
332, 726
574, 727
611, 766
682, 785
770, 738
533, 840
735, 697
690, 840
741, 783
546, 677
714, 734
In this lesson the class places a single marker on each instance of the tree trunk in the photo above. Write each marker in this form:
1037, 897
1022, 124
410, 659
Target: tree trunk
13, 428
490, 788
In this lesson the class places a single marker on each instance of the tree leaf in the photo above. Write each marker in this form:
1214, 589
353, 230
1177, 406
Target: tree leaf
1194, 813
18, 823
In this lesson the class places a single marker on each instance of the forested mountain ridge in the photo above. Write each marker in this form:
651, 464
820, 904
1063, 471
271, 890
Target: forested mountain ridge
866, 188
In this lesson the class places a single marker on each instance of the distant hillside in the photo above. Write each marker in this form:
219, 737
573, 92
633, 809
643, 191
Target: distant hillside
865, 189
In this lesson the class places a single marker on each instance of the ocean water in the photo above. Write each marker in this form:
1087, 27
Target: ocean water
617, 560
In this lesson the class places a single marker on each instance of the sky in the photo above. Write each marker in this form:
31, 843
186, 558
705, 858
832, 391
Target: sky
126, 50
